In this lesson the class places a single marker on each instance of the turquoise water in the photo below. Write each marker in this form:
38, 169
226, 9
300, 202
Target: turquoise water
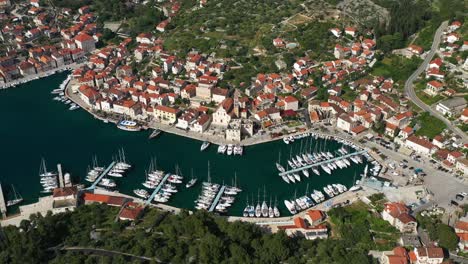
34, 126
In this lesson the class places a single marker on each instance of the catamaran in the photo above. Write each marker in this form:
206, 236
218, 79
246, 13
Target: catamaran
18, 199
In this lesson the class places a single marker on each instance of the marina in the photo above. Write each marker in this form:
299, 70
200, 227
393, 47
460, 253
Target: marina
73, 138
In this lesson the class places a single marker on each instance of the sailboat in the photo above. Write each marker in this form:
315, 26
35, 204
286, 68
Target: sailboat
18, 199
251, 208
245, 213
275, 209
356, 185
264, 204
43, 170
258, 208
271, 213
278, 165
192, 182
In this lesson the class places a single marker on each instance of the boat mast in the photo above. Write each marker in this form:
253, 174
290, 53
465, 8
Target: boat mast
14, 192
209, 177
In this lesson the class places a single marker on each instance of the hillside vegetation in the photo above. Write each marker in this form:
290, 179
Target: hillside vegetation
182, 238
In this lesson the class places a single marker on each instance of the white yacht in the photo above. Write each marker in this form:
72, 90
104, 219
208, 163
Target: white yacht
238, 150
205, 145
141, 193
107, 183
230, 149
222, 149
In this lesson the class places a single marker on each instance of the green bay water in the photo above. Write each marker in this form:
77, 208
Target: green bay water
35, 126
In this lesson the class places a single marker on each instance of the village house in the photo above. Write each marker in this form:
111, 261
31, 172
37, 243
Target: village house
427, 255
130, 212
461, 229
90, 198
433, 88
302, 228
166, 114
464, 115
345, 123
462, 166
85, 42
64, 199
202, 124
397, 214
451, 107
420, 145
397, 256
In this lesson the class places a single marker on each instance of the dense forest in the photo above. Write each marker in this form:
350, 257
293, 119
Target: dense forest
182, 238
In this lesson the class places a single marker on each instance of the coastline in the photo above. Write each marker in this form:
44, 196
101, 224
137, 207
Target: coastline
37, 76
45, 204
201, 137
233, 218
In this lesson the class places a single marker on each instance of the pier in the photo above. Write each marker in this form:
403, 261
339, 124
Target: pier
322, 162
216, 200
104, 173
158, 188
3, 209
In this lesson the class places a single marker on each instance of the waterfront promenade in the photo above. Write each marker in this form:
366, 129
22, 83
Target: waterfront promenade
39, 75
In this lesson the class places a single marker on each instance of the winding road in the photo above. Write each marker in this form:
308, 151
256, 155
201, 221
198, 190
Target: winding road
409, 87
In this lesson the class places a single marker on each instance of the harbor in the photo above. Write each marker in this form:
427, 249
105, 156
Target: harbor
72, 139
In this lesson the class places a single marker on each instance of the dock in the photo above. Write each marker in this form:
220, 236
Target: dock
3, 208
104, 173
158, 188
322, 162
60, 175
216, 200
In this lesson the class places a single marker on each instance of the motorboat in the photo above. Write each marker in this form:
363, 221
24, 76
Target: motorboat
230, 149
73, 106
238, 150
141, 193
222, 149
205, 145
107, 183
128, 125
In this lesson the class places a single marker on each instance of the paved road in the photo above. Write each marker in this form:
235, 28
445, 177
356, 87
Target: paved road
409, 88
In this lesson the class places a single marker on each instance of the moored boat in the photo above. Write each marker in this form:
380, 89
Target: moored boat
128, 125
